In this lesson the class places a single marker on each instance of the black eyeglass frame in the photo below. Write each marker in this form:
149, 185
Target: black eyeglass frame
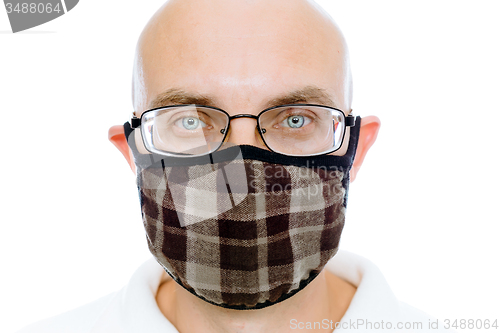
349, 120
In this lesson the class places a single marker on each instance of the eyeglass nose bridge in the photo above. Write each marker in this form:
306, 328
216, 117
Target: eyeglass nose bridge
245, 115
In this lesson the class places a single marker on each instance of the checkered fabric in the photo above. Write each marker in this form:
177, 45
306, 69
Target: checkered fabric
243, 233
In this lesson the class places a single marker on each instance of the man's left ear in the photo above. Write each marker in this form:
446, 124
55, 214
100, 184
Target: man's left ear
367, 135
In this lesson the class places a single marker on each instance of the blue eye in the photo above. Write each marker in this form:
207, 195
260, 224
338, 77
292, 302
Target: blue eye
190, 123
295, 121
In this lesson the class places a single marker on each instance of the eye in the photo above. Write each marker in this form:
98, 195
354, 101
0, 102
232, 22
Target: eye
190, 123
295, 121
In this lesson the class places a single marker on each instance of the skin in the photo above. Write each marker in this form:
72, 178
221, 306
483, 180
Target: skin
244, 54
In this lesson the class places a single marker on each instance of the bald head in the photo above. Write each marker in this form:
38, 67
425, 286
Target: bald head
242, 56
241, 52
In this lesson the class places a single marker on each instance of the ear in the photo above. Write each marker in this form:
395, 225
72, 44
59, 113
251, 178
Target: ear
367, 135
117, 137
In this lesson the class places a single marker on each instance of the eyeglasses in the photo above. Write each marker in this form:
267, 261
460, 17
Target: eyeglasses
195, 130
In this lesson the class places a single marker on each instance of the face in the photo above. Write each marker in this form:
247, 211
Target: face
243, 57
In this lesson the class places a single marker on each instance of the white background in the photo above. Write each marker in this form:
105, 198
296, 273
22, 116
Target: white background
424, 207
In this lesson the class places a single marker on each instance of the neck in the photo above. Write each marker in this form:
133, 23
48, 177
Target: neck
324, 300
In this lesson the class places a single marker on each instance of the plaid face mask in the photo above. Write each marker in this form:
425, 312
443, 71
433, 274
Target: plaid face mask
243, 228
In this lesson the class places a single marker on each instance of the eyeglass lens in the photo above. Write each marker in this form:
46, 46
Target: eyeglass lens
302, 130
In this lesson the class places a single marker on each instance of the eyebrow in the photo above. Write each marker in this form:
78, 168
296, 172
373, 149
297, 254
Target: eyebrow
178, 97
308, 94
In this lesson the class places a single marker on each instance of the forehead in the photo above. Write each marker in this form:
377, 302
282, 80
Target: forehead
249, 50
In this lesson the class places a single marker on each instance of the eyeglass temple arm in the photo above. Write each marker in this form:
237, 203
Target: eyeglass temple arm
135, 122
350, 120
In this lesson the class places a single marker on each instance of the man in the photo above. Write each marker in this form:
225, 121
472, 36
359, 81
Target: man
236, 58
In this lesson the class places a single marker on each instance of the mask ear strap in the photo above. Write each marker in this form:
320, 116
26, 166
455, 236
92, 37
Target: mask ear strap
141, 160
127, 129
353, 140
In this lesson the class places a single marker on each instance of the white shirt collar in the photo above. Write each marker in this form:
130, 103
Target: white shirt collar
372, 301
